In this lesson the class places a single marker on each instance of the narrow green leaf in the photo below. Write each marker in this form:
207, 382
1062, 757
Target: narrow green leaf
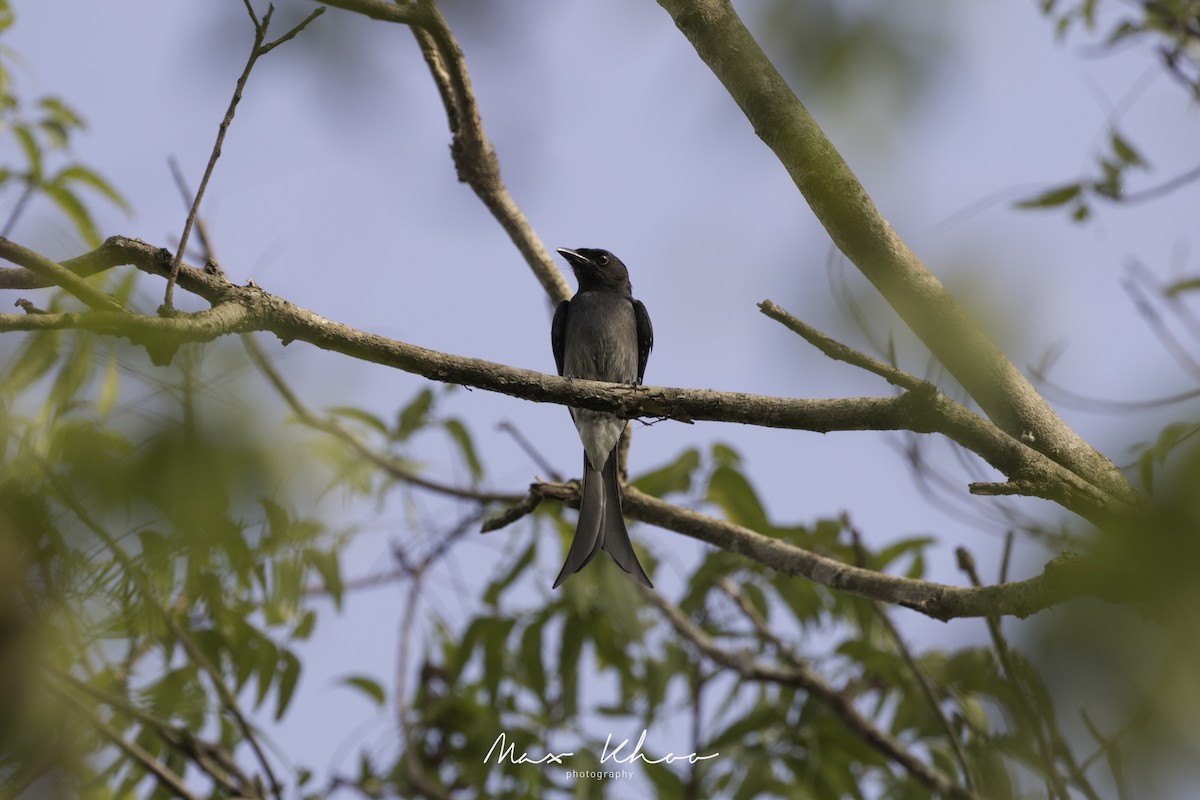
531, 658
458, 432
327, 564
368, 686
729, 489
77, 173
110, 388
1185, 285
360, 415
496, 588
289, 676
1126, 152
414, 416
74, 208
60, 111
33, 152
73, 375
1054, 197
673, 477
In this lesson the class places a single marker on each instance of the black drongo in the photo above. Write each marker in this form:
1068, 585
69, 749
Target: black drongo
601, 334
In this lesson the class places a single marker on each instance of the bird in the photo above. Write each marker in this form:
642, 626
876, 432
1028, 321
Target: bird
600, 334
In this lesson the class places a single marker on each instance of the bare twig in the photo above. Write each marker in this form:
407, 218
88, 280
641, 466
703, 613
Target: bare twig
840, 352
188, 197
260, 48
530, 450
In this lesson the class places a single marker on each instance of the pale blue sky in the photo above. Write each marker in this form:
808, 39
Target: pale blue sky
336, 191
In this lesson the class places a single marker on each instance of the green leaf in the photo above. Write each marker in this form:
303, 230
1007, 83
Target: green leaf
289, 676
1126, 152
1185, 285
414, 416
458, 432
74, 208
673, 477
77, 173
359, 415
60, 111
33, 152
491, 595
110, 388
1055, 197
368, 686
327, 564
531, 658
729, 489
37, 357
74, 373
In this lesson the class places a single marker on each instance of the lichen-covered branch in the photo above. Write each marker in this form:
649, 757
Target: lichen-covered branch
921, 411
861, 232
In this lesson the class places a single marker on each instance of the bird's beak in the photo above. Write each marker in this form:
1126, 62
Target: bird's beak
576, 260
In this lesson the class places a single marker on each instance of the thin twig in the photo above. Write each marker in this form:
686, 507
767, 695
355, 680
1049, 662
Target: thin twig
1055, 786
841, 352
206, 246
393, 466
474, 157
258, 49
527, 446
914, 666
166, 778
803, 677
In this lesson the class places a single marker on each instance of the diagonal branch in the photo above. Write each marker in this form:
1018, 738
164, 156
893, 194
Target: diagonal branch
1063, 579
474, 158
859, 230
260, 48
45, 272
923, 411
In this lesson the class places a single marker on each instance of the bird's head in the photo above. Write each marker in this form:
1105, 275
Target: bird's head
597, 269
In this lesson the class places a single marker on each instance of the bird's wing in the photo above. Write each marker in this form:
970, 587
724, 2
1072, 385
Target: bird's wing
558, 333
645, 334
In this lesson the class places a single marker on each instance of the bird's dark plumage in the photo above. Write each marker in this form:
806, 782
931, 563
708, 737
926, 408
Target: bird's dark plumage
601, 334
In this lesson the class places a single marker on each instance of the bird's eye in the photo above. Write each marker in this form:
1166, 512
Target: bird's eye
602, 261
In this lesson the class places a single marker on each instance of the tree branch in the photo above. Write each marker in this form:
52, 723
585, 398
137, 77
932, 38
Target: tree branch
865, 237
260, 48
51, 273
1064, 578
919, 411
474, 157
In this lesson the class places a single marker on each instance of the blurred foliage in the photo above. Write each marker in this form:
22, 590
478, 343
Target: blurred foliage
164, 549
862, 61
154, 546
40, 133
1170, 31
